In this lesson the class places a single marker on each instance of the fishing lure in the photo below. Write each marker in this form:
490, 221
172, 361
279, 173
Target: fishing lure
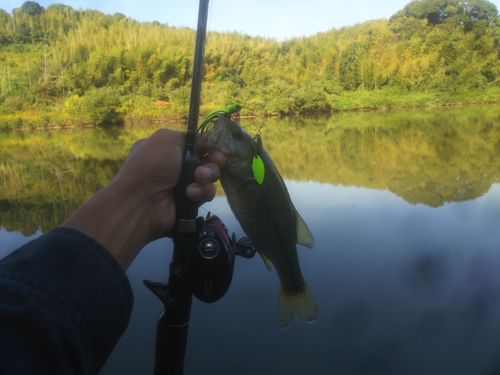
258, 168
212, 116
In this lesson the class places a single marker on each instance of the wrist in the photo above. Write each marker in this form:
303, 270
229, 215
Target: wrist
116, 218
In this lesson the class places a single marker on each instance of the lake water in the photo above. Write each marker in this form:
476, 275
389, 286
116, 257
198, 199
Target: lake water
405, 210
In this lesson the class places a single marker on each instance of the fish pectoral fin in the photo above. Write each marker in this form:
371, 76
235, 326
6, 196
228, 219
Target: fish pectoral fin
300, 306
304, 236
267, 262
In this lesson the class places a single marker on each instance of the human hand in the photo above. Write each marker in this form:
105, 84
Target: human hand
138, 206
152, 171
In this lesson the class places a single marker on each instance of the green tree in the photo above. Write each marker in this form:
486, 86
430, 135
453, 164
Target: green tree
31, 8
101, 106
432, 51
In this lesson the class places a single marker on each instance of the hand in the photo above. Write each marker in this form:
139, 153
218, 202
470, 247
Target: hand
138, 206
152, 171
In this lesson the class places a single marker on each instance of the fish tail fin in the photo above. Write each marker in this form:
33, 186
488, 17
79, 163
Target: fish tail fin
300, 305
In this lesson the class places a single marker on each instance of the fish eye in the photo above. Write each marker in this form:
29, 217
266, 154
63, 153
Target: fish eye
236, 134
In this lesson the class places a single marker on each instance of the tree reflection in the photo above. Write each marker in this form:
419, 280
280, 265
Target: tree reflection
425, 156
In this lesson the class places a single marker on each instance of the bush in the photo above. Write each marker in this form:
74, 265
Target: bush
180, 100
11, 122
13, 103
101, 106
73, 105
147, 89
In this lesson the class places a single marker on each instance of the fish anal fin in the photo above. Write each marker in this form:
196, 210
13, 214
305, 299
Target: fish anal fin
267, 262
300, 306
304, 236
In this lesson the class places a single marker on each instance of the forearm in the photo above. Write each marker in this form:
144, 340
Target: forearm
138, 206
117, 219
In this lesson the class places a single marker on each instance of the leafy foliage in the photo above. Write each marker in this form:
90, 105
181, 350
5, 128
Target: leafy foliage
101, 106
439, 51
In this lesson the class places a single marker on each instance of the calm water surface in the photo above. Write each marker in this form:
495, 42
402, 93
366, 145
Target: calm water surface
405, 210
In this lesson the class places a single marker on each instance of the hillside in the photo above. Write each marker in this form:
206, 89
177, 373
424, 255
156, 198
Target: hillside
65, 66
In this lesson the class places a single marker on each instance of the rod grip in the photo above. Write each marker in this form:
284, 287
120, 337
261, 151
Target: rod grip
171, 342
186, 209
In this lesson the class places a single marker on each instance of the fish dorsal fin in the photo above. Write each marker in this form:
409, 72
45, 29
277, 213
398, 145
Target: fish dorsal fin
259, 145
267, 262
304, 236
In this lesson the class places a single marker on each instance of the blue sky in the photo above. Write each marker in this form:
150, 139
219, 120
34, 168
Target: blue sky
280, 19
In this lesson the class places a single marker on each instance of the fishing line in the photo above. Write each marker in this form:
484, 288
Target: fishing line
209, 23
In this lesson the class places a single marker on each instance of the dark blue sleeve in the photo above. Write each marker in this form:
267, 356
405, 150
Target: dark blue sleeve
64, 303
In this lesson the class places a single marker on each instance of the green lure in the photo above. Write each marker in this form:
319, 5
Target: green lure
258, 169
232, 108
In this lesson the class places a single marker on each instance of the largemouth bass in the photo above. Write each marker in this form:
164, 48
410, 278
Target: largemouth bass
260, 202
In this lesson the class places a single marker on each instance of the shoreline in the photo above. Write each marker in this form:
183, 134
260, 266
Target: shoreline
131, 122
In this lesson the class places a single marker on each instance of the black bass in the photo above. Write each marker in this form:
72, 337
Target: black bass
260, 201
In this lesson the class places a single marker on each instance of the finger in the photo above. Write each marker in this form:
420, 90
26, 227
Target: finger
169, 137
136, 145
206, 173
216, 158
201, 142
160, 139
200, 192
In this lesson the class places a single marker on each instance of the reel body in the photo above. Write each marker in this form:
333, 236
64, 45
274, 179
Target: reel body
210, 266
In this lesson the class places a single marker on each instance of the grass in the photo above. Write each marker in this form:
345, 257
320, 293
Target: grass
347, 101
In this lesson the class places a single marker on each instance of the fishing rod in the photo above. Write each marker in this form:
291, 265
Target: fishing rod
173, 322
203, 256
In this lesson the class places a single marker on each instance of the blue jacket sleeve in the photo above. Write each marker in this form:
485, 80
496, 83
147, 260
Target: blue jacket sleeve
64, 303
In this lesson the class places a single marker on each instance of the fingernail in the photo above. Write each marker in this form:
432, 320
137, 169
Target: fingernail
206, 174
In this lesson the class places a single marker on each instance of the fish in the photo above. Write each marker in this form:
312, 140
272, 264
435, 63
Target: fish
259, 199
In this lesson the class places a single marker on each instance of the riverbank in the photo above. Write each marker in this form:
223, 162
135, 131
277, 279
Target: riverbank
57, 116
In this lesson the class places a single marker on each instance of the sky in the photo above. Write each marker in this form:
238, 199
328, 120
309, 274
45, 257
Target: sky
279, 19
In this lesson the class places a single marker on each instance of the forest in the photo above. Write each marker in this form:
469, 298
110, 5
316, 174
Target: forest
61, 66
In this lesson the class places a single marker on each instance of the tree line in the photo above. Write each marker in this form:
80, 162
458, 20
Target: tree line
68, 66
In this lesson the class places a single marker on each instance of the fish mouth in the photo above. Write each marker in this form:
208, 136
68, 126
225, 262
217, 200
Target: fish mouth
213, 141
217, 140
219, 144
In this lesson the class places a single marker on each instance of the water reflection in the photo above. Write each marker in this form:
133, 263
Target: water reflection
405, 210
424, 156
400, 289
